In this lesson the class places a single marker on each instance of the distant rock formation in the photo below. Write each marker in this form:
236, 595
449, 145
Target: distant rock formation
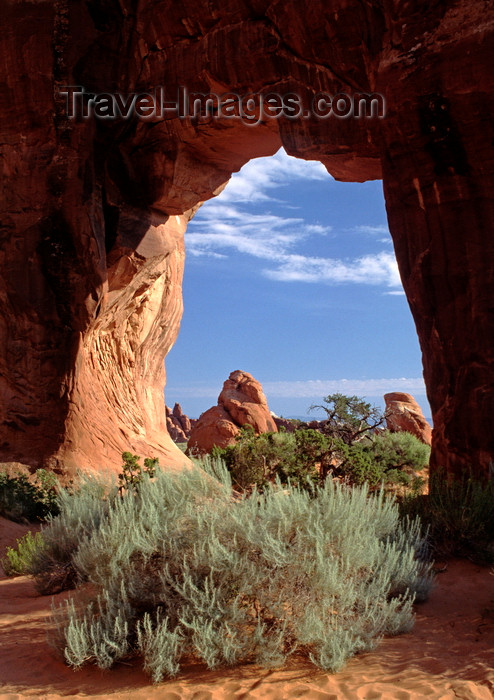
291, 425
241, 402
404, 414
178, 424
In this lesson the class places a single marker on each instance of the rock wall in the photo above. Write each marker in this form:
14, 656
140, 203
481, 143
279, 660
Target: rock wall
93, 211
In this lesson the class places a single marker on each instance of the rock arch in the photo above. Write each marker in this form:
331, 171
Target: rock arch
94, 211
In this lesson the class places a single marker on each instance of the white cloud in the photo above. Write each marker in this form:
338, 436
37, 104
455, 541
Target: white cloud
360, 387
371, 230
396, 293
197, 252
316, 388
266, 236
262, 174
222, 227
380, 268
380, 233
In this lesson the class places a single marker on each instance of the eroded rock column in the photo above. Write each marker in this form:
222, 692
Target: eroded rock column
90, 285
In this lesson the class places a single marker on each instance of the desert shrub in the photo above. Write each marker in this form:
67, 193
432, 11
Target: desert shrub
133, 473
459, 515
255, 459
294, 457
313, 453
307, 456
18, 560
232, 579
384, 457
23, 499
81, 511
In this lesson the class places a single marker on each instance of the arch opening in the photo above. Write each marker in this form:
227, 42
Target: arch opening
297, 277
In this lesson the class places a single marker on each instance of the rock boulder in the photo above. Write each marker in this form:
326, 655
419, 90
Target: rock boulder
404, 414
241, 402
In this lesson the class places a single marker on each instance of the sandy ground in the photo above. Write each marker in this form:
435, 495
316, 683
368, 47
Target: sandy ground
449, 654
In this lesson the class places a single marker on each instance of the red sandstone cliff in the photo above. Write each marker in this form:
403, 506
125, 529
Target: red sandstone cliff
93, 212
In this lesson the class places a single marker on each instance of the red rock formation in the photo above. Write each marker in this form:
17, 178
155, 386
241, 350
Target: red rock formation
241, 402
174, 427
182, 419
214, 427
243, 398
404, 414
91, 246
178, 424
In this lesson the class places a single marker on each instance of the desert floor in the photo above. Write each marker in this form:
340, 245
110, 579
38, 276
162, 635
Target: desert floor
449, 654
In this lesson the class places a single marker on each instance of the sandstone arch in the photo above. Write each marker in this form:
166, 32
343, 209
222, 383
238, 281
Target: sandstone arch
94, 212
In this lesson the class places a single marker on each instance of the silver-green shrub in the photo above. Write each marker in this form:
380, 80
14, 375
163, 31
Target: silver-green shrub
186, 567
81, 511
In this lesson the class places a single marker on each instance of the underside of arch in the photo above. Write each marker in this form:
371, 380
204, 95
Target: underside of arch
94, 211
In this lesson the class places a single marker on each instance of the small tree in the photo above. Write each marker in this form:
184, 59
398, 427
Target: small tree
349, 417
133, 473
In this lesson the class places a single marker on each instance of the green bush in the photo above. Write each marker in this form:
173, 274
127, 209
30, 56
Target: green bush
18, 560
133, 473
251, 579
384, 457
459, 515
22, 499
306, 456
259, 459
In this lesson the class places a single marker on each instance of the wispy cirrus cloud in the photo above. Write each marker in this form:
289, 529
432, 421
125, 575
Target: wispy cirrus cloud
359, 387
222, 227
258, 176
313, 388
380, 268
371, 230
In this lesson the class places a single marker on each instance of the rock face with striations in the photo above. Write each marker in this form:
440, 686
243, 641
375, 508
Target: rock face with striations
404, 414
94, 210
241, 402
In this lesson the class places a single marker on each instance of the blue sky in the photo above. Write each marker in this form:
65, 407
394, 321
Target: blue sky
291, 276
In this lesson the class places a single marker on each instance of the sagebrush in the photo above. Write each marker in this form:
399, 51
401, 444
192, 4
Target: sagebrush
82, 510
186, 567
19, 560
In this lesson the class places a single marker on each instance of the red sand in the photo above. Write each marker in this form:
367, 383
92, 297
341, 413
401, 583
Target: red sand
449, 654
